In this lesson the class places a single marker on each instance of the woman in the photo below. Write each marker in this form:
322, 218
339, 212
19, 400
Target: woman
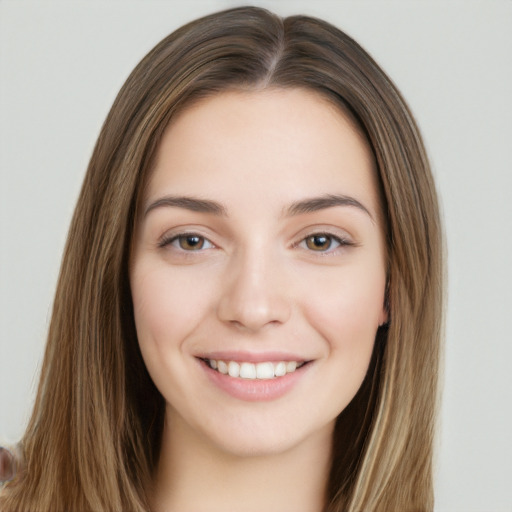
249, 307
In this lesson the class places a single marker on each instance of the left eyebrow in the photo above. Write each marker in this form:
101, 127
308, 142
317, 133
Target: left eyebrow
315, 204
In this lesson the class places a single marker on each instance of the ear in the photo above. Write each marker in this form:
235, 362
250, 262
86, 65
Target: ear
384, 314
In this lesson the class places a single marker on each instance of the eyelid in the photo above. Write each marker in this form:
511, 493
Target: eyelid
169, 238
342, 239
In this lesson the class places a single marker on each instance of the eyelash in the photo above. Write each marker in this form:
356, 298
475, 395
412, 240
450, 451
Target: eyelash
340, 241
169, 240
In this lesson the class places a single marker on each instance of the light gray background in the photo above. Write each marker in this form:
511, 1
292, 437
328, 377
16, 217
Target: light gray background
61, 65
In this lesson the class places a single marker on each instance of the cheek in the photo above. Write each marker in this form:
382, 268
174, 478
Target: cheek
347, 318
167, 306
347, 311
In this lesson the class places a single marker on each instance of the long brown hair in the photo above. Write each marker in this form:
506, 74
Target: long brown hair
93, 439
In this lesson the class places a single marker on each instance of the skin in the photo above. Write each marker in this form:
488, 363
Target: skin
255, 281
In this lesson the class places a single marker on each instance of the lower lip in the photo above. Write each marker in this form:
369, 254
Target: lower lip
255, 390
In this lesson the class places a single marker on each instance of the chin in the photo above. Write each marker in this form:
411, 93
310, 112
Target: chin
269, 440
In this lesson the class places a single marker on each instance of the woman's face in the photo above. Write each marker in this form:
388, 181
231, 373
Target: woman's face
259, 252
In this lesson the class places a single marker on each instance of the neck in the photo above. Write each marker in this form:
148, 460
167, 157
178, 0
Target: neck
194, 476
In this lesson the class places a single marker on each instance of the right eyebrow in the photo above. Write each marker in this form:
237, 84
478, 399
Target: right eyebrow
188, 203
315, 204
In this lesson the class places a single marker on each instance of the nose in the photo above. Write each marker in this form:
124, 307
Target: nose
254, 295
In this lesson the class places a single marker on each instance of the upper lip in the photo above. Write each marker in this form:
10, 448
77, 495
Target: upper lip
251, 357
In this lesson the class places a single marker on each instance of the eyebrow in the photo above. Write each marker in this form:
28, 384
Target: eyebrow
308, 205
315, 204
188, 203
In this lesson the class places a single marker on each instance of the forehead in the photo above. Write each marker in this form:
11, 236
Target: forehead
266, 144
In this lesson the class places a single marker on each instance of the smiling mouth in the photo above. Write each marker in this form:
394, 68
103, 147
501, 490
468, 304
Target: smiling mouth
254, 371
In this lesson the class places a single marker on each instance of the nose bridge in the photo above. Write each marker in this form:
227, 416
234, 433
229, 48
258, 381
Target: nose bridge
254, 293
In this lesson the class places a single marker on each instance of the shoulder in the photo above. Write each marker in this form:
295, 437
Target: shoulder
8, 464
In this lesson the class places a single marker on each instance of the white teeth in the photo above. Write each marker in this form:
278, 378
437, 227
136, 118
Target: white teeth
247, 371
291, 366
261, 371
221, 366
265, 370
280, 369
233, 369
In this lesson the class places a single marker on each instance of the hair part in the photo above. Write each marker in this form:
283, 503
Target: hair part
94, 436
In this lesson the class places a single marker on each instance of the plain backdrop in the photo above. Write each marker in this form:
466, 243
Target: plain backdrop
61, 65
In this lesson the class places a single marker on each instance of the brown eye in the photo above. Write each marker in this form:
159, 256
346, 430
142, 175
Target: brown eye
319, 242
191, 242
186, 242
